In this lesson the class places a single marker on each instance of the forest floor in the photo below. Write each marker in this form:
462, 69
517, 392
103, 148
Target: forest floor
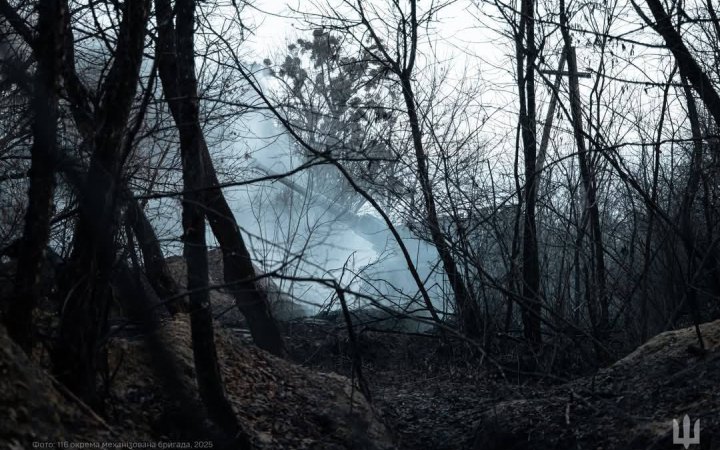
427, 394
433, 398
424, 395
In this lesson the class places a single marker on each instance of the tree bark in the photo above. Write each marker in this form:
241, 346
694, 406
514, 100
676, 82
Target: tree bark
689, 67
599, 297
466, 306
43, 155
156, 268
531, 309
651, 216
469, 317
687, 227
239, 272
207, 368
85, 285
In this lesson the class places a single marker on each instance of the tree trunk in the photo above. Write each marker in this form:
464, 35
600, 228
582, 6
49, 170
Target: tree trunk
531, 309
689, 67
156, 269
686, 212
42, 174
651, 214
207, 368
239, 272
599, 298
85, 284
469, 317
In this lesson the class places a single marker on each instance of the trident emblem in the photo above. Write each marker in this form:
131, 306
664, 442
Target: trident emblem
686, 439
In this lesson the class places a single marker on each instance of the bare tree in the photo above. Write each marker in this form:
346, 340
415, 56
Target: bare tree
28, 283
598, 303
401, 66
195, 250
526, 54
689, 67
86, 283
239, 272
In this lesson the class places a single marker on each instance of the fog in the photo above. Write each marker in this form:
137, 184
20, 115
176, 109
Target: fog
297, 233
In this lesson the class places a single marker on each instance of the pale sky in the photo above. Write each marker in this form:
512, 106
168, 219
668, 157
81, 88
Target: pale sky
468, 43
459, 43
458, 34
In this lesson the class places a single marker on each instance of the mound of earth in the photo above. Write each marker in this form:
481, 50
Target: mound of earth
34, 411
282, 306
428, 391
280, 404
629, 405
420, 387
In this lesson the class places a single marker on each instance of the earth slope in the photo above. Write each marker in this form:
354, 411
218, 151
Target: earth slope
629, 405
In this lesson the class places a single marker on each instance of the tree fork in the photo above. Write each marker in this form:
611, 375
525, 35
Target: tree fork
85, 288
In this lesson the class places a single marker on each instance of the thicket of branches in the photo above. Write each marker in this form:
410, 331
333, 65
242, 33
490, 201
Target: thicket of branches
571, 196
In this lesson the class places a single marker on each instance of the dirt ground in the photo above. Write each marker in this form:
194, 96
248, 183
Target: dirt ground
428, 395
425, 394
432, 398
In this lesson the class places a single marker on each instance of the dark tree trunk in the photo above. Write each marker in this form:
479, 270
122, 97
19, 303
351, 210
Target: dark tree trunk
687, 227
239, 272
467, 309
689, 67
207, 368
466, 305
190, 416
85, 285
531, 308
651, 216
156, 269
42, 174
599, 299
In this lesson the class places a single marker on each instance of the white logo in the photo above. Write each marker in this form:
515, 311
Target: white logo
686, 439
